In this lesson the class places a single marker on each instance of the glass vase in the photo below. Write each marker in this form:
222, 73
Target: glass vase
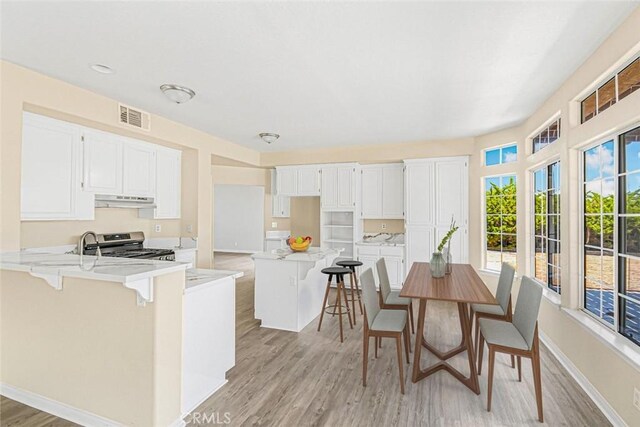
447, 259
437, 265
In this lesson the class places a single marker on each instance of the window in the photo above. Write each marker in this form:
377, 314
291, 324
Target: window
622, 84
611, 252
500, 221
546, 226
547, 136
500, 155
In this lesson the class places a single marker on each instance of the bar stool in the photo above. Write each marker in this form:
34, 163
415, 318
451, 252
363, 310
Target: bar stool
339, 273
351, 264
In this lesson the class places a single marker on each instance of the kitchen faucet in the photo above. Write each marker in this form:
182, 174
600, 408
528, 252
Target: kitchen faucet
81, 244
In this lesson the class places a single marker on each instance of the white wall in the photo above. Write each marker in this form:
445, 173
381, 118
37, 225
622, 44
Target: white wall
238, 218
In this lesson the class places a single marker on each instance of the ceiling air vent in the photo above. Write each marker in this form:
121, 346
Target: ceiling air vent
136, 118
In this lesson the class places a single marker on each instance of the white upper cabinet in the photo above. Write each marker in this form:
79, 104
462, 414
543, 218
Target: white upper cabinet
393, 191
287, 181
451, 184
383, 191
280, 205
168, 183
308, 181
419, 194
102, 162
51, 171
338, 187
139, 169
371, 192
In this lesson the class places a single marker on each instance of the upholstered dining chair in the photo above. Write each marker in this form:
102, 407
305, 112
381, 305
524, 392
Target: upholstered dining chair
503, 310
518, 338
391, 299
380, 323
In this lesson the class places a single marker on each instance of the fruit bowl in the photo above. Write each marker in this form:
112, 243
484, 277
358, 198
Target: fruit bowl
299, 244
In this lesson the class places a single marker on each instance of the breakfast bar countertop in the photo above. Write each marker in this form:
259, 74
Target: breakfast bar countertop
310, 255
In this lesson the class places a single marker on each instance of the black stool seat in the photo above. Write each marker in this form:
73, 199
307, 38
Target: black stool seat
349, 263
336, 270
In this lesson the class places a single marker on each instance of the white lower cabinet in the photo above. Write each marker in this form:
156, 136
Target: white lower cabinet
51, 171
208, 340
393, 257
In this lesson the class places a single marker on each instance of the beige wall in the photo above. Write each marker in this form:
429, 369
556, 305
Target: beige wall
375, 226
305, 218
56, 343
26, 90
612, 375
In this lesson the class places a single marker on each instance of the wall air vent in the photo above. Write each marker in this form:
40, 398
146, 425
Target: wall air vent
135, 118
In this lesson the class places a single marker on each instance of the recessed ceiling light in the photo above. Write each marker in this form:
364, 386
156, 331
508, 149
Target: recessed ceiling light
269, 137
102, 69
177, 94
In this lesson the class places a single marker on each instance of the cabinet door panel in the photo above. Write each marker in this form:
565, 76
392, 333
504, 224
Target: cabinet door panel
372, 193
102, 163
168, 169
139, 170
419, 245
329, 188
419, 184
450, 192
308, 181
50, 164
393, 192
346, 187
287, 180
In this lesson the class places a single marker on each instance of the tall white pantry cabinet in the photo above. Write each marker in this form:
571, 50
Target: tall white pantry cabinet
436, 190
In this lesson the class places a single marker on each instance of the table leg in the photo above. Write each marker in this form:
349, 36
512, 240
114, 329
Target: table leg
415, 377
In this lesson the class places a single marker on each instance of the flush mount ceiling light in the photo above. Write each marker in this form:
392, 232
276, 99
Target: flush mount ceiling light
102, 69
269, 137
177, 94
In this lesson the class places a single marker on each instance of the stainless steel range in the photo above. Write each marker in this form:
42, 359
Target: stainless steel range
125, 245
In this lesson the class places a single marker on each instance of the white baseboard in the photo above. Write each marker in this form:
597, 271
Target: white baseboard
54, 407
583, 382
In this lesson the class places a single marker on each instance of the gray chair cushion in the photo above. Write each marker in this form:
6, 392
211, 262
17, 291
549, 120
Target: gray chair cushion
505, 283
390, 321
394, 298
500, 332
488, 309
383, 279
525, 314
369, 296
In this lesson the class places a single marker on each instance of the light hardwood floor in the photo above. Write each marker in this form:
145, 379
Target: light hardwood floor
309, 378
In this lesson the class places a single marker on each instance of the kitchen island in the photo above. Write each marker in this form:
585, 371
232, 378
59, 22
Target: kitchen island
102, 342
289, 286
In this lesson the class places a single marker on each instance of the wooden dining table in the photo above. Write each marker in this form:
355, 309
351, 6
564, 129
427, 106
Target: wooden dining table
462, 286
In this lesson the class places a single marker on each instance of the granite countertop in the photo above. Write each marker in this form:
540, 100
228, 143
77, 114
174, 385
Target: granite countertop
311, 255
122, 270
195, 277
382, 239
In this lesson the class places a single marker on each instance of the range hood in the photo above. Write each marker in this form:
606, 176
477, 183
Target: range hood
129, 202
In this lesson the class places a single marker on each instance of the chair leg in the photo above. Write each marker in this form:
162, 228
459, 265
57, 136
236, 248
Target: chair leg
480, 351
353, 296
399, 349
519, 369
513, 361
413, 328
324, 303
407, 344
375, 345
339, 305
355, 281
365, 357
492, 358
537, 381
346, 302
380, 342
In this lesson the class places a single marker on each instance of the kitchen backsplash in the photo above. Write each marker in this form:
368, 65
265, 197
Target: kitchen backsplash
392, 225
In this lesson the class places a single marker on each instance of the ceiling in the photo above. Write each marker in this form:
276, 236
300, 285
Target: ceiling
318, 73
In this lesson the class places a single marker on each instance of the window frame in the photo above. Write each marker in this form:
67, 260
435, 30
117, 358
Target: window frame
595, 87
499, 148
616, 327
484, 218
557, 118
532, 223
